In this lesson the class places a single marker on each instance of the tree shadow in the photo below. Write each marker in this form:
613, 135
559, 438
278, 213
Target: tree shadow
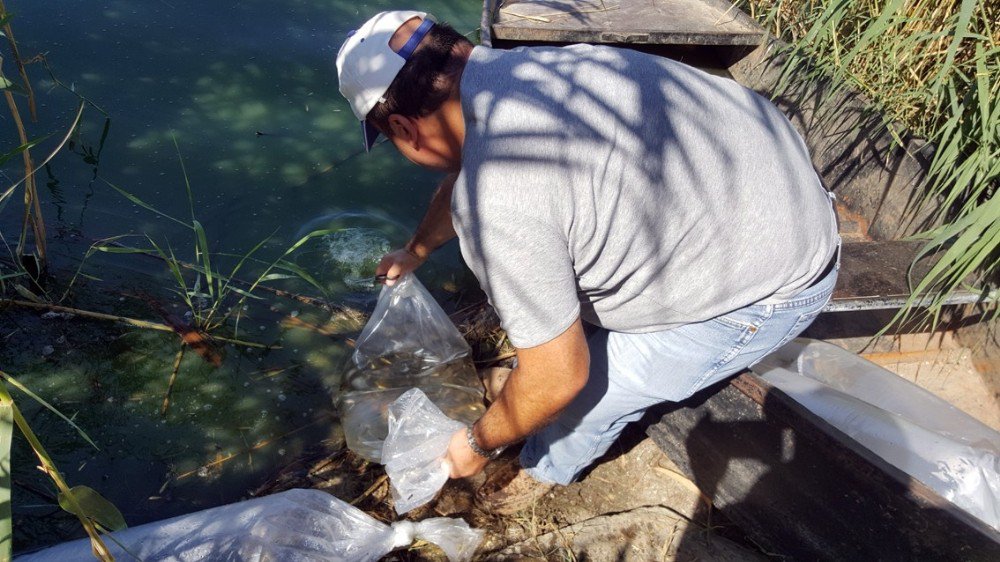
878, 173
647, 119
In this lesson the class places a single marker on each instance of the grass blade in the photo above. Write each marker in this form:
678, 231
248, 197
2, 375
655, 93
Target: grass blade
69, 133
26, 146
187, 181
202, 251
6, 438
98, 547
17, 384
92, 506
143, 204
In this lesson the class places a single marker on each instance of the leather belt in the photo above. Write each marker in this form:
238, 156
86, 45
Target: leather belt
827, 270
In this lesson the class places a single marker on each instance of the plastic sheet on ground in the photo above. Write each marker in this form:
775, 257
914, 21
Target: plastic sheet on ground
949, 451
409, 342
293, 526
414, 450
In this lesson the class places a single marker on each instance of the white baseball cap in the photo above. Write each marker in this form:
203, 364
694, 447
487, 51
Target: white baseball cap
366, 65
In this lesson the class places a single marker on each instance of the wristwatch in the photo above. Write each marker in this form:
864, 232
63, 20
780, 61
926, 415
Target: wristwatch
479, 450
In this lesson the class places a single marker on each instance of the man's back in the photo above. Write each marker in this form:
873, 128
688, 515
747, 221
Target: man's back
635, 191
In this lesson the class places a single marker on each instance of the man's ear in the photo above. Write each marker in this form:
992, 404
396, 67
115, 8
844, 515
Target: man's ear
404, 129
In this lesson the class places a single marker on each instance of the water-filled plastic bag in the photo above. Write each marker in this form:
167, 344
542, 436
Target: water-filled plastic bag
292, 526
414, 450
409, 342
949, 451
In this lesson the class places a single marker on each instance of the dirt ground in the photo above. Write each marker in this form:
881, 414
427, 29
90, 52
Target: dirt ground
633, 506
948, 369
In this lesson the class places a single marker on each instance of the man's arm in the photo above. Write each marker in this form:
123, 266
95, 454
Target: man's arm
547, 378
434, 230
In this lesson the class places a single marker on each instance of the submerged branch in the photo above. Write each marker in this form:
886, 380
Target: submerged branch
123, 319
173, 377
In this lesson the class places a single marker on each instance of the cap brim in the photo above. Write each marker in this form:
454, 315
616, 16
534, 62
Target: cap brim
370, 133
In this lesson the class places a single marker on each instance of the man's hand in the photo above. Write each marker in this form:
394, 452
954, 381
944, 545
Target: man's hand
547, 379
461, 458
396, 264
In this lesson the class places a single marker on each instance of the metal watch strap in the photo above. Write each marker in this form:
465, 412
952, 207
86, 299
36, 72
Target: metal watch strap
479, 450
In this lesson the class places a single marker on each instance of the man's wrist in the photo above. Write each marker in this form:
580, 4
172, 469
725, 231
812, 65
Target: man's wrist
470, 436
412, 248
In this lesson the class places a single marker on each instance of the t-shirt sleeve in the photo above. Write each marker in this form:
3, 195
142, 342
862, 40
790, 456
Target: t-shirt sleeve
524, 267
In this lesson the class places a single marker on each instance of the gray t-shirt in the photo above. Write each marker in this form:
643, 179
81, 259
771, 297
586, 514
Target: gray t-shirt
631, 190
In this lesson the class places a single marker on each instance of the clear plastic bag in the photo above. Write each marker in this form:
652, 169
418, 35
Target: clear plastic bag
414, 450
408, 331
949, 451
409, 342
292, 526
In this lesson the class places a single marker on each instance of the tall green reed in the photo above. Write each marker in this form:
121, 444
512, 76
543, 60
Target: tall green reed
96, 514
932, 67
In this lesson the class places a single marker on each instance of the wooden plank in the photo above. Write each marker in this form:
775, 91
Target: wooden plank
879, 269
876, 275
655, 22
803, 489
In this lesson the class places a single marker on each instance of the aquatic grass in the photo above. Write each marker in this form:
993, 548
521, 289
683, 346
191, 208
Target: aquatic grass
214, 298
95, 513
932, 68
33, 263
6, 516
210, 290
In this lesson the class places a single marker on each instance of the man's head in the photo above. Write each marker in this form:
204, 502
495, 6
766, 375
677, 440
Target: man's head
398, 71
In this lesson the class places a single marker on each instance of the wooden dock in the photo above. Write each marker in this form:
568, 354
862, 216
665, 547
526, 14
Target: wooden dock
654, 22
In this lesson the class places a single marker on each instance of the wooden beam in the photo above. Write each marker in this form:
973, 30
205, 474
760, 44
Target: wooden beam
652, 22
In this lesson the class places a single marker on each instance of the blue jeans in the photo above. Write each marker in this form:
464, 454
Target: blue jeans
631, 372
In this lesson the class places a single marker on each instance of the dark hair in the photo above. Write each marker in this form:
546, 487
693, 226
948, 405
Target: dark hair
426, 80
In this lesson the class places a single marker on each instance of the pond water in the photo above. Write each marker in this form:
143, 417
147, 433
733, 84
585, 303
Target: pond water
245, 95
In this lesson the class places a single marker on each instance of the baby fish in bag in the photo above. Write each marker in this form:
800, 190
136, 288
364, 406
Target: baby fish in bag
409, 342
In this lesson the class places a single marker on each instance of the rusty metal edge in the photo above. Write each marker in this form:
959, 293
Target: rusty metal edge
878, 302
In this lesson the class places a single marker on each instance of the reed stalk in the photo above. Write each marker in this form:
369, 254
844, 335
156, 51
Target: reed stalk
173, 377
32, 221
10, 413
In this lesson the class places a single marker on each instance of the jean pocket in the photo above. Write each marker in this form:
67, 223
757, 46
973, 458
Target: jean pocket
799, 326
738, 330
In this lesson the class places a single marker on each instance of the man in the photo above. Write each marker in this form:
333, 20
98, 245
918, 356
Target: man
643, 229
